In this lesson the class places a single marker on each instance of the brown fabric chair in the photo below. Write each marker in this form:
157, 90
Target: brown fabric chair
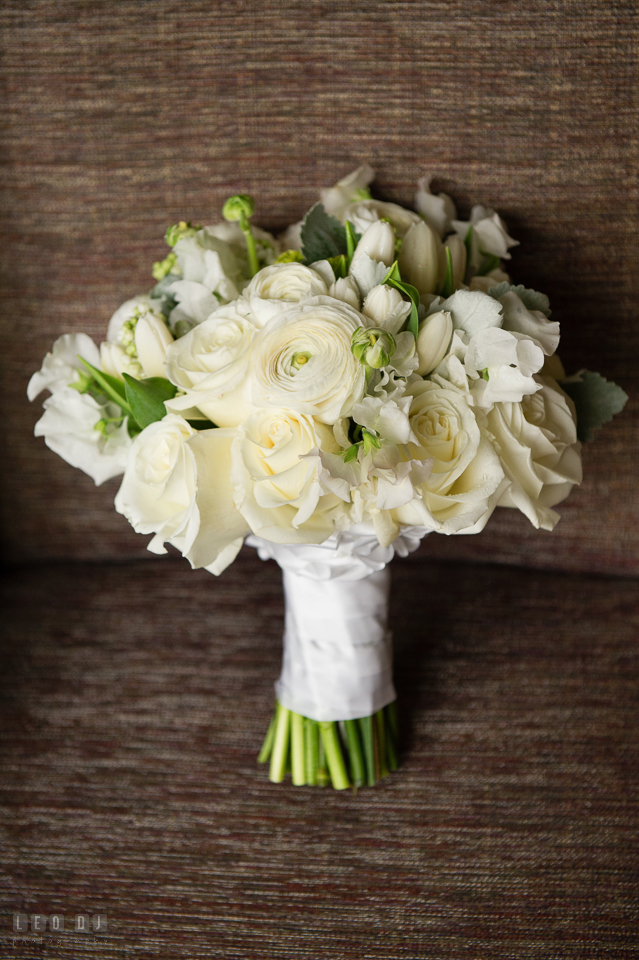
137, 691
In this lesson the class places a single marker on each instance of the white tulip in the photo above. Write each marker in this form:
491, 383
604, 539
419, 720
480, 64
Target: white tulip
438, 211
152, 338
420, 258
381, 302
433, 339
345, 289
378, 241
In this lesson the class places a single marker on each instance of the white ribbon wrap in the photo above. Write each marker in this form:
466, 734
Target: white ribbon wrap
337, 661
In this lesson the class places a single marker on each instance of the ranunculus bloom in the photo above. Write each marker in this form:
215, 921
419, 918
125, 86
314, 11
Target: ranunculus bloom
177, 486
286, 281
276, 491
539, 451
303, 360
210, 365
467, 477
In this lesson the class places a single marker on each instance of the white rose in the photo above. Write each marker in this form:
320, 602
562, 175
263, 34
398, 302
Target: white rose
277, 492
539, 451
210, 364
303, 360
61, 367
90, 436
177, 486
467, 477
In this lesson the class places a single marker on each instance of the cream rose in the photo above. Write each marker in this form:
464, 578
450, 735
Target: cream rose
539, 451
210, 364
177, 486
277, 492
467, 477
303, 360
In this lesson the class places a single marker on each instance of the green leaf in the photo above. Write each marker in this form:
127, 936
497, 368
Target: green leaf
596, 401
323, 236
113, 388
146, 398
351, 241
447, 285
409, 291
489, 262
351, 453
531, 299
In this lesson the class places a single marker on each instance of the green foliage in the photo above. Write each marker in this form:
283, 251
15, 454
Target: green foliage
323, 236
447, 285
145, 398
596, 401
531, 299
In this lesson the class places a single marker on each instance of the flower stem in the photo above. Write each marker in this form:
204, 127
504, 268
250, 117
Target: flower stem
297, 750
322, 773
280, 745
245, 226
366, 728
334, 757
358, 772
311, 750
381, 743
267, 746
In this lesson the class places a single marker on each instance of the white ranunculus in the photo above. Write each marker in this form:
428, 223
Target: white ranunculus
210, 364
433, 339
420, 259
303, 360
61, 367
177, 486
286, 281
88, 435
277, 491
467, 477
365, 212
345, 289
539, 451
438, 211
502, 365
377, 242
337, 199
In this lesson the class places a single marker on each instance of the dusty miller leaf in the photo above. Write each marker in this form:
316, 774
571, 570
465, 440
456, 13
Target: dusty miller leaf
596, 401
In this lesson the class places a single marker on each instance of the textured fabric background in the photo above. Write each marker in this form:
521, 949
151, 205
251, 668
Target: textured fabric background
123, 118
135, 693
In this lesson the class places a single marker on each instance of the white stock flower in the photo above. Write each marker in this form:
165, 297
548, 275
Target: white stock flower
115, 361
337, 199
126, 312
210, 364
539, 451
502, 364
70, 427
177, 486
277, 488
466, 478
438, 211
420, 260
61, 367
302, 359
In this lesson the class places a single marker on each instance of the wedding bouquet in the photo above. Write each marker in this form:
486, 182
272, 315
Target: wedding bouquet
328, 397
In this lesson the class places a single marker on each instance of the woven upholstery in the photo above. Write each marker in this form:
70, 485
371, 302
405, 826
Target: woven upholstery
137, 692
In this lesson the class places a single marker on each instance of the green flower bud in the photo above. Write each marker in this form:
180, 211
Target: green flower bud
180, 230
373, 347
239, 207
371, 442
291, 256
163, 267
